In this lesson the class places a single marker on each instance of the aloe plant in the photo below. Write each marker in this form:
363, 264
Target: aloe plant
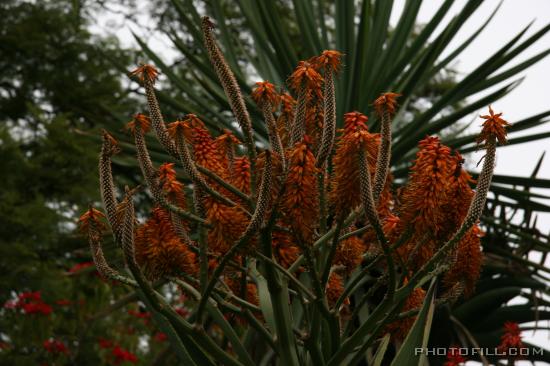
296, 244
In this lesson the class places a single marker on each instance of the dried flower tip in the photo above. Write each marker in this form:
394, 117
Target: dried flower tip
146, 72
305, 75
329, 60
493, 126
140, 120
265, 92
91, 217
228, 138
111, 144
174, 128
386, 101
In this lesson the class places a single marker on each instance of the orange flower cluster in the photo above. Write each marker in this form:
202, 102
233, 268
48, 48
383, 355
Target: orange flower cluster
170, 184
158, 249
345, 177
284, 249
349, 253
435, 202
307, 162
400, 328
241, 174
334, 289
300, 203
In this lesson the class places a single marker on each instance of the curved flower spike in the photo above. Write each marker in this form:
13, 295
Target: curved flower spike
493, 126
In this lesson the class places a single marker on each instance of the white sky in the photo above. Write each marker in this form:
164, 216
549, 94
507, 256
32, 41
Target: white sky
531, 97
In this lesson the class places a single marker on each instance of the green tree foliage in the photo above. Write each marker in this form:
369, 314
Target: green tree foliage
56, 83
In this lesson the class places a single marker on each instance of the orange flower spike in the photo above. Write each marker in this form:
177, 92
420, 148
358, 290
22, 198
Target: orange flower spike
241, 174
146, 71
288, 104
170, 184
329, 60
355, 122
91, 216
349, 253
305, 75
300, 203
386, 101
334, 289
428, 186
493, 126
400, 328
345, 174
158, 249
265, 92
140, 120
466, 268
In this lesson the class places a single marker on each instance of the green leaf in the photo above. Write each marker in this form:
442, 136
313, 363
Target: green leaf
381, 351
419, 334
485, 303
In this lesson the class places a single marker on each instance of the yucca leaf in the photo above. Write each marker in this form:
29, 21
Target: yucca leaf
484, 303
306, 23
512, 313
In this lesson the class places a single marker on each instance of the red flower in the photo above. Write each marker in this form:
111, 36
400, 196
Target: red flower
55, 347
63, 302
79, 267
511, 337
31, 296
104, 343
144, 315
121, 355
160, 337
183, 312
453, 357
37, 308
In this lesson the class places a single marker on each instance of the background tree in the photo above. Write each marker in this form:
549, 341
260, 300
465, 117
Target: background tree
55, 82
